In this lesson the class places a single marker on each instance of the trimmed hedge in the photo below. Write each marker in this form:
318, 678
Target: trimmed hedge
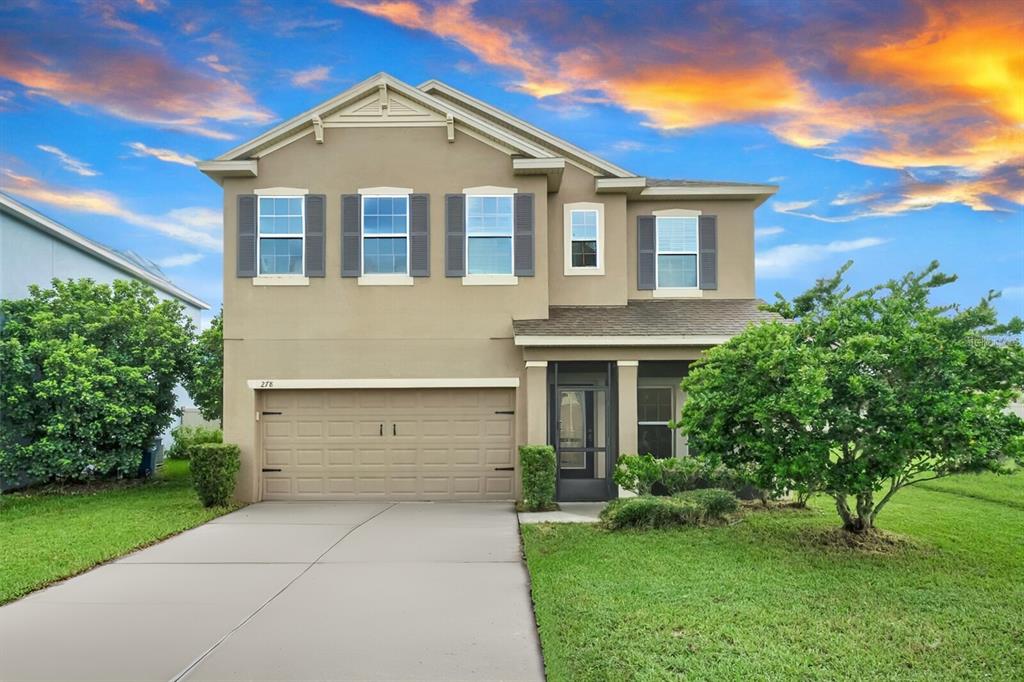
185, 437
538, 467
214, 466
647, 475
691, 508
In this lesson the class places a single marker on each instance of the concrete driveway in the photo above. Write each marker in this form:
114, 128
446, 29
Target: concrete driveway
294, 591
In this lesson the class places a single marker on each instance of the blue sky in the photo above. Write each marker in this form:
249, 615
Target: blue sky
895, 134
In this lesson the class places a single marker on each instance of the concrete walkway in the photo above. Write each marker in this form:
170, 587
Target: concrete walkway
569, 512
294, 591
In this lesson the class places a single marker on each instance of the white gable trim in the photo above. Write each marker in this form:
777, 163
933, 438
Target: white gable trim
304, 122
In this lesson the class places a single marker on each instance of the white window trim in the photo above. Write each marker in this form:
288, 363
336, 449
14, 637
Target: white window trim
384, 191
489, 191
281, 191
382, 280
567, 212
280, 281
385, 276
274, 277
675, 291
498, 279
490, 280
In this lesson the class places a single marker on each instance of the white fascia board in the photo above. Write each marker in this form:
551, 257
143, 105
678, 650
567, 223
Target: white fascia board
245, 168
69, 236
514, 122
709, 191
466, 382
631, 184
702, 340
553, 168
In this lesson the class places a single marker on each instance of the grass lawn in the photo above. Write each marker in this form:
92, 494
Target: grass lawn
761, 600
48, 536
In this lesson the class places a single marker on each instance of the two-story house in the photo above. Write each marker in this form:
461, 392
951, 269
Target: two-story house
416, 282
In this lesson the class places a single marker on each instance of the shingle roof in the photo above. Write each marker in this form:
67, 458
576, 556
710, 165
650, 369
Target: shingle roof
669, 182
655, 317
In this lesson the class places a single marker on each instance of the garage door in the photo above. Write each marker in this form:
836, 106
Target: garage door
391, 444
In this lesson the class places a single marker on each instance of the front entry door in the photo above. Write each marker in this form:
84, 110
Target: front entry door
582, 444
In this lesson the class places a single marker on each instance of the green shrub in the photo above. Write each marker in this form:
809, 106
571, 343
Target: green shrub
691, 508
679, 474
538, 467
187, 436
214, 466
638, 473
87, 377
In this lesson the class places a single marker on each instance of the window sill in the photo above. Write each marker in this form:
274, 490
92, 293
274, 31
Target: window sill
688, 292
490, 280
385, 281
280, 281
572, 272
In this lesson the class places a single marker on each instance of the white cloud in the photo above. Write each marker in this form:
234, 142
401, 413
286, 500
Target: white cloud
1014, 291
776, 179
311, 76
786, 260
790, 206
762, 232
68, 162
192, 225
180, 260
166, 155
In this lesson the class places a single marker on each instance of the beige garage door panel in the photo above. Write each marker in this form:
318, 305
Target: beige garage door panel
395, 444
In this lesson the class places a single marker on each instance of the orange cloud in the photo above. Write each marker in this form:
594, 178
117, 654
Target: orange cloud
138, 87
931, 83
455, 21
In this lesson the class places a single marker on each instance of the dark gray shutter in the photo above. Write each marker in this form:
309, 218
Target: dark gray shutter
246, 257
316, 206
351, 233
645, 245
707, 235
523, 235
455, 235
419, 235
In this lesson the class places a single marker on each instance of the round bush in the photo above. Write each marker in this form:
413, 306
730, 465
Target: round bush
214, 466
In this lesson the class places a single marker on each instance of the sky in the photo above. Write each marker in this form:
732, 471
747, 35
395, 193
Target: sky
895, 129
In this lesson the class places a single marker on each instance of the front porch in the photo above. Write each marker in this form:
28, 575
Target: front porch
604, 380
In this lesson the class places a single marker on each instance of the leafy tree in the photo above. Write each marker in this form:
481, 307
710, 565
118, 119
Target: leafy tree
860, 394
89, 372
206, 382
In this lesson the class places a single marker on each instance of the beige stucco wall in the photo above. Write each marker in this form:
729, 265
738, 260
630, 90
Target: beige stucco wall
438, 328
333, 328
609, 288
735, 244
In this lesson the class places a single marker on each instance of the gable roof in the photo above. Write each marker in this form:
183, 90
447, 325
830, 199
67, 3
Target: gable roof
128, 262
523, 141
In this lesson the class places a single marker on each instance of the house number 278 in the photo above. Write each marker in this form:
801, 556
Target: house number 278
266, 384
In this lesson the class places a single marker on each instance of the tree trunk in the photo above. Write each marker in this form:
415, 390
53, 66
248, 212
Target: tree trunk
863, 521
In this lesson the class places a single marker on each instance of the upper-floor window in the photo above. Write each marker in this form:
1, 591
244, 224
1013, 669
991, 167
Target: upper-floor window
385, 235
489, 235
281, 235
583, 237
676, 264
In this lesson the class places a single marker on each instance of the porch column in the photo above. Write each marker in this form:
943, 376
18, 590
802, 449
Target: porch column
628, 439
537, 402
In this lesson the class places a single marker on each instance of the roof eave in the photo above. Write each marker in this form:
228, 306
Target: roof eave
550, 340
637, 188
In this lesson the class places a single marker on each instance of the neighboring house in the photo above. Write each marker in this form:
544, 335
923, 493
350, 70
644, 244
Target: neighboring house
35, 249
416, 282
